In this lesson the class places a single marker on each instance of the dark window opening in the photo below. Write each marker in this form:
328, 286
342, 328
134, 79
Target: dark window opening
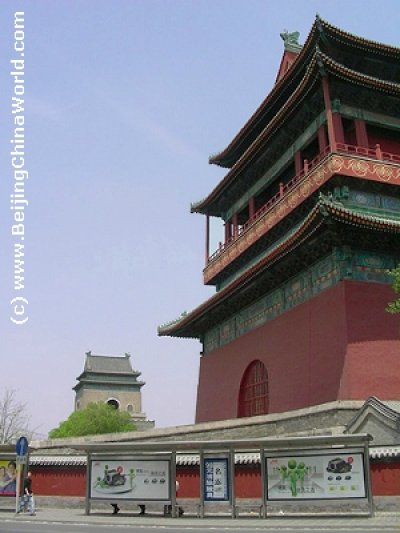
113, 403
310, 151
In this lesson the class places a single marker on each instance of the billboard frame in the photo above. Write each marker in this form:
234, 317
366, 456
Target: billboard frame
315, 445
337, 479
163, 463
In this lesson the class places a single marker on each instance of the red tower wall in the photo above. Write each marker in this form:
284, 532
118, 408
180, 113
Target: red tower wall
340, 345
372, 361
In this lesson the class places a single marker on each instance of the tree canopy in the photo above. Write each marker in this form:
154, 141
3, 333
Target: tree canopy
95, 419
394, 307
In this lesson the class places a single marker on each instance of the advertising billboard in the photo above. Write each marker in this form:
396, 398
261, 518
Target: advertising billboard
8, 477
130, 479
319, 476
216, 479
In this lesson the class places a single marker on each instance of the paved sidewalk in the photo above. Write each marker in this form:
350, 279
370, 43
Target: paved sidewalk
377, 523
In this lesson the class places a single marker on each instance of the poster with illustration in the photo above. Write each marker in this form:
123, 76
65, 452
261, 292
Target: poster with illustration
300, 477
216, 480
8, 477
130, 479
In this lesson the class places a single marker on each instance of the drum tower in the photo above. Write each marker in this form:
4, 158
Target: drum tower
311, 209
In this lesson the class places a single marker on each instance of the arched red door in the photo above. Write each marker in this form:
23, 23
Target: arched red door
253, 395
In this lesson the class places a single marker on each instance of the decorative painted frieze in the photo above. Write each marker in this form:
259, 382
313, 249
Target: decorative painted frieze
343, 264
356, 167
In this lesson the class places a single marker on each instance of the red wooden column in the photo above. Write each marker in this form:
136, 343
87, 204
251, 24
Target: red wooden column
252, 207
298, 163
322, 140
227, 230
334, 120
235, 225
207, 245
338, 125
361, 132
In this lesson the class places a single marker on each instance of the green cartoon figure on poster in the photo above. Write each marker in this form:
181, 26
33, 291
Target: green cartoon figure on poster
283, 475
294, 472
301, 474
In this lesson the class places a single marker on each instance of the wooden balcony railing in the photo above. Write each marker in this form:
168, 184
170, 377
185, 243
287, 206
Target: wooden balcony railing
370, 153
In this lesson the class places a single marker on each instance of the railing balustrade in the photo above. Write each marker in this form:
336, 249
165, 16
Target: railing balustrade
284, 188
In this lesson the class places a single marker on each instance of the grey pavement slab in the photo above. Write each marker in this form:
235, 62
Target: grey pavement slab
378, 522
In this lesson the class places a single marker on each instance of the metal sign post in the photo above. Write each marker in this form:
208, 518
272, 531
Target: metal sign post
21, 449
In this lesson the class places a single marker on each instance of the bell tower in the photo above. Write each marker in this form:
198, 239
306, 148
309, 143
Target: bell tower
110, 379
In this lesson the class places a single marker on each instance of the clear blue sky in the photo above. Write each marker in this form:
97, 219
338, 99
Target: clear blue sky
124, 102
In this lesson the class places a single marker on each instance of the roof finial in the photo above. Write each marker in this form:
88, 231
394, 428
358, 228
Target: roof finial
318, 22
291, 40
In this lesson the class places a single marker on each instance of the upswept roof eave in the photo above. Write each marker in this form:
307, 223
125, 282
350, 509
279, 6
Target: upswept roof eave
217, 159
367, 44
109, 364
117, 373
323, 210
97, 378
339, 70
319, 59
308, 81
244, 278
319, 27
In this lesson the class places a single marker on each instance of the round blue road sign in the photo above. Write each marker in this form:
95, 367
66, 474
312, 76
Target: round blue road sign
21, 446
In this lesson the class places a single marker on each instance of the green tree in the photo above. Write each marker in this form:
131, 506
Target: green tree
394, 307
95, 419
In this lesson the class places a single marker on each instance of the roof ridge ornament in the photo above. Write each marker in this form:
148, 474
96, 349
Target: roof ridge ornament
88, 366
183, 315
291, 40
318, 22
